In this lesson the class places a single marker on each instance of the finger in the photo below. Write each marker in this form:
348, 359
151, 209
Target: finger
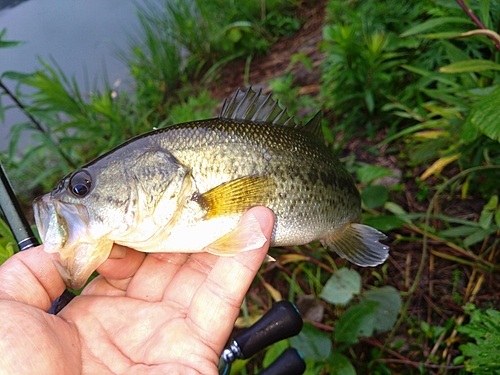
188, 279
116, 272
30, 277
123, 267
222, 293
155, 275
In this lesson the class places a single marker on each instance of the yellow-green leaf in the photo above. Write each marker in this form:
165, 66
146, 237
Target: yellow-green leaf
474, 65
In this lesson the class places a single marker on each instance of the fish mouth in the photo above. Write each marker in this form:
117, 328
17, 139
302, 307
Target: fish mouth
64, 230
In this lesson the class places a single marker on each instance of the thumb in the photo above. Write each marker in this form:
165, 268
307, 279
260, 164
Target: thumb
31, 278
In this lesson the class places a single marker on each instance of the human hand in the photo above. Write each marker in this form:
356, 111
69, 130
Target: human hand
162, 313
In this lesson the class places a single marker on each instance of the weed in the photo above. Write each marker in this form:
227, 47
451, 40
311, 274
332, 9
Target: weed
481, 357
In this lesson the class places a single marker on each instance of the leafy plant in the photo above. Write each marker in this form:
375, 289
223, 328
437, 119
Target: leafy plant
376, 310
456, 111
71, 128
184, 41
483, 356
363, 55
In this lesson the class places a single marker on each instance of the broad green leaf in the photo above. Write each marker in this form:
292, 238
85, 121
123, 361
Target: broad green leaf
368, 173
5, 232
312, 343
313, 367
234, 35
484, 12
474, 65
384, 223
339, 364
341, 287
459, 231
485, 117
386, 313
374, 196
486, 219
492, 203
274, 351
432, 24
469, 131
359, 320
6, 251
397, 210
479, 235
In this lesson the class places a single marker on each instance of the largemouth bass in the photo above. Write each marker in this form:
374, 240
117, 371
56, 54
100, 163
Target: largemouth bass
184, 188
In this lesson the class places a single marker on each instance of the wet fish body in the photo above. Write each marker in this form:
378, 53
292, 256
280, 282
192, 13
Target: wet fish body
184, 188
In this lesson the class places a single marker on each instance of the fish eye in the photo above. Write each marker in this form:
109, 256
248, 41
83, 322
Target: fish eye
80, 183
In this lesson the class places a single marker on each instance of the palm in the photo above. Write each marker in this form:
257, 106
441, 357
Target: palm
154, 314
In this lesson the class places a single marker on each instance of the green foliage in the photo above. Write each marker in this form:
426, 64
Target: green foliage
454, 100
7, 43
183, 41
483, 356
375, 311
361, 70
74, 127
342, 287
8, 244
470, 233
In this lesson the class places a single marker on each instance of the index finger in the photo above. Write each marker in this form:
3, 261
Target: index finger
216, 304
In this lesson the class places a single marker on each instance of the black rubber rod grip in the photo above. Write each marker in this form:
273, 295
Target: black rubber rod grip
290, 362
283, 320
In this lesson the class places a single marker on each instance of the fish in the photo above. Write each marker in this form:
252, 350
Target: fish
185, 187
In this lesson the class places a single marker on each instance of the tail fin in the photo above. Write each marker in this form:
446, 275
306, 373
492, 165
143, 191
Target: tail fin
359, 244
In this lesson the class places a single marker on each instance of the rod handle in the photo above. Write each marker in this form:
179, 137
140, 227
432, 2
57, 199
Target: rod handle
283, 320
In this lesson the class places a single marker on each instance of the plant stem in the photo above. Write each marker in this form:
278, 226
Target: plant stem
22, 107
477, 21
37, 124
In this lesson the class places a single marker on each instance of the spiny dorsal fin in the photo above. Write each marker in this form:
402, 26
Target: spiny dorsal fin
254, 106
314, 126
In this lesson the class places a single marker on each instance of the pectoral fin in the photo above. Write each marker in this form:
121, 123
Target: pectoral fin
246, 236
359, 244
236, 196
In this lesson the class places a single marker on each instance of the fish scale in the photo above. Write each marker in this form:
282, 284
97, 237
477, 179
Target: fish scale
185, 187
324, 207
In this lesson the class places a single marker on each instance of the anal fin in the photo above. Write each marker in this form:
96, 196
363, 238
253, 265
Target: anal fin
359, 244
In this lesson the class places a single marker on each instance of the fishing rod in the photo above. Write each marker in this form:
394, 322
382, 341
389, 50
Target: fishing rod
283, 320
21, 230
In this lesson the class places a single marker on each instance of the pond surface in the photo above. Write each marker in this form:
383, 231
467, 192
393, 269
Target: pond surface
82, 36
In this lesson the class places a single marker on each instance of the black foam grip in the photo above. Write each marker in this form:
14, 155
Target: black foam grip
290, 362
283, 320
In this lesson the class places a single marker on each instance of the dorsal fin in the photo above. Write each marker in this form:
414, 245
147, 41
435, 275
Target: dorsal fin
314, 126
254, 106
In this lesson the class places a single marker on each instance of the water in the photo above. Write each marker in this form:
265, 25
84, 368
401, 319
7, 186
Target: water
82, 36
